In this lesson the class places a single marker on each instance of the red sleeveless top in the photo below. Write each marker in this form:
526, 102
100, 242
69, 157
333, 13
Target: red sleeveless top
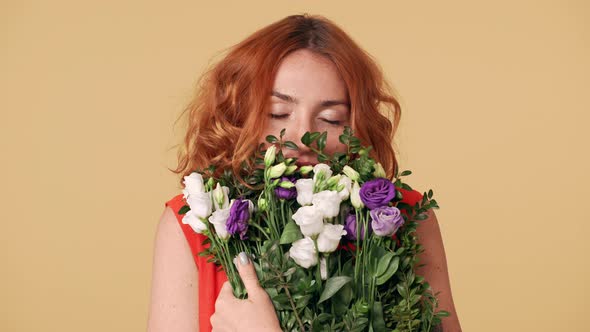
211, 278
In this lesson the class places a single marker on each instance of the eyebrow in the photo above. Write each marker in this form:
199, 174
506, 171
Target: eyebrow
324, 103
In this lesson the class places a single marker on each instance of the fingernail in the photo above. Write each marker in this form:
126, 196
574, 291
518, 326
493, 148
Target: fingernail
243, 258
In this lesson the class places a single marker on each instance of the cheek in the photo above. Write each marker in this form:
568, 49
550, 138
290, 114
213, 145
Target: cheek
333, 145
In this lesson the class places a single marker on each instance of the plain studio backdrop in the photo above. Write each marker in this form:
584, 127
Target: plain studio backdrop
494, 119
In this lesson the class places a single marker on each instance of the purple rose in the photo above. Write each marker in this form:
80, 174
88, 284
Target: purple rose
377, 192
239, 214
350, 227
286, 193
386, 220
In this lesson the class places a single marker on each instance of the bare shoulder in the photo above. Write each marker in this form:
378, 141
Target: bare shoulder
435, 270
174, 289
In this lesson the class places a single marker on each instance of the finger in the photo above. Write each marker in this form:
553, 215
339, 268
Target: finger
226, 293
248, 274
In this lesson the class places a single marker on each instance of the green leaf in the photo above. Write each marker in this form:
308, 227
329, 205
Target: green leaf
421, 216
291, 145
184, 209
384, 263
322, 141
378, 323
332, 286
313, 136
306, 138
430, 193
282, 132
271, 139
291, 233
391, 269
404, 173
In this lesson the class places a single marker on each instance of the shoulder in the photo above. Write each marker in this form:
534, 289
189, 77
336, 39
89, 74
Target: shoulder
174, 290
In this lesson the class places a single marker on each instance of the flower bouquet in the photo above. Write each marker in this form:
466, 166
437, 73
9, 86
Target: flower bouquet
334, 244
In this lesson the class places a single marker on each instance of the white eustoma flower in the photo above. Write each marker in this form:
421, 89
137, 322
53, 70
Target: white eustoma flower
195, 222
193, 183
327, 202
355, 197
347, 183
321, 168
304, 253
200, 203
220, 197
304, 191
323, 268
330, 237
309, 219
219, 221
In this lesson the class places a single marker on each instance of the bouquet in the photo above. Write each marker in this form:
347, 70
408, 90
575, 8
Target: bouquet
334, 244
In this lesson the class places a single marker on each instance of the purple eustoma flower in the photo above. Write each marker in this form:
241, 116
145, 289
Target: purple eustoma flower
377, 192
386, 220
239, 214
286, 193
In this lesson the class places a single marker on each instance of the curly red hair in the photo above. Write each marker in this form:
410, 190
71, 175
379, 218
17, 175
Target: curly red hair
228, 112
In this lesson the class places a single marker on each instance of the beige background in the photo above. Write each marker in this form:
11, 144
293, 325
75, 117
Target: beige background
495, 115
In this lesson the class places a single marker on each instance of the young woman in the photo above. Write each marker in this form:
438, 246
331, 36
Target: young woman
302, 73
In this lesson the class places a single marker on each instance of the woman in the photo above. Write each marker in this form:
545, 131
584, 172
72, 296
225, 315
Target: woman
302, 73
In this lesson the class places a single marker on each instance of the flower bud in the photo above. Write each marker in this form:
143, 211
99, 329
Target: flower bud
286, 184
379, 171
209, 185
355, 197
269, 156
218, 195
323, 268
290, 169
277, 170
333, 181
305, 169
351, 173
262, 204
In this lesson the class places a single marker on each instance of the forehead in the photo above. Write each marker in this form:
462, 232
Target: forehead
307, 75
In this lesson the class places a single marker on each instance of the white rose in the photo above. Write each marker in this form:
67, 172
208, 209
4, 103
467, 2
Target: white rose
321, 168
330, 237
303, 252
309, 219
219, 221
355, 197
323, 268
193, 183
195, 222
347, 183
328, 202
220, 197
304, 191
200, 203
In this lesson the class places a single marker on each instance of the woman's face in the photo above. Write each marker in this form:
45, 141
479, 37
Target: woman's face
308, 95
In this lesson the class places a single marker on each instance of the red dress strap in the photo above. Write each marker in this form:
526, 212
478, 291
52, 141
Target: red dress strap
210, 277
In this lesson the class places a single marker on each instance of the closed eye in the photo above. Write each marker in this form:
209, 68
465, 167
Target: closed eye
335, 123
278, 116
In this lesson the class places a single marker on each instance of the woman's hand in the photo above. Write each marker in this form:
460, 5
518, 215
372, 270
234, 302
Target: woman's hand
256, 313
